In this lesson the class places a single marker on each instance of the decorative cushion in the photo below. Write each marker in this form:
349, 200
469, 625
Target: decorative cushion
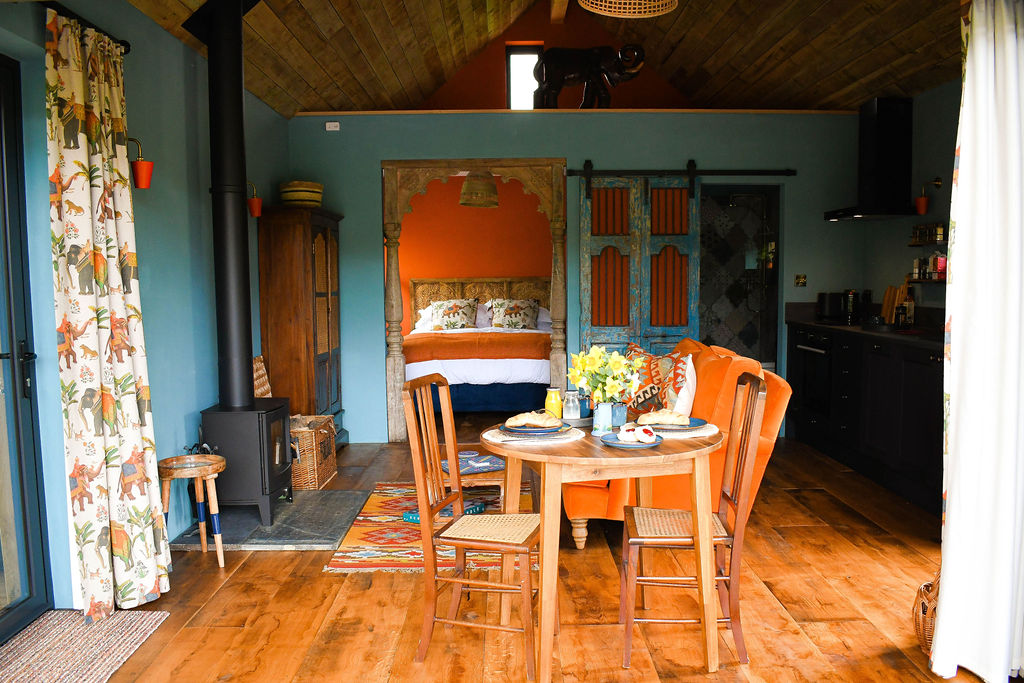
483, 316
424, 322
652, 372
680, 386
516, 314
453, 314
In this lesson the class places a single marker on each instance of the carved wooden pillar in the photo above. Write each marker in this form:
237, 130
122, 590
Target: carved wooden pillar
558, 358
394, 362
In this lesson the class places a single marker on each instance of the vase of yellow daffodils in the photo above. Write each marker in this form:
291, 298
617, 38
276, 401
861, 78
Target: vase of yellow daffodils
610, 379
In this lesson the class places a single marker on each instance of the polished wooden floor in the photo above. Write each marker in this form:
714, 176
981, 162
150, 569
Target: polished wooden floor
831, 566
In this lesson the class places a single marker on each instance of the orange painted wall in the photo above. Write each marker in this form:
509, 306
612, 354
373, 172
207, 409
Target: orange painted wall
442, 239
480, 84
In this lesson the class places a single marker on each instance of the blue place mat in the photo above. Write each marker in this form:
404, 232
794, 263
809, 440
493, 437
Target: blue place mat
471, 462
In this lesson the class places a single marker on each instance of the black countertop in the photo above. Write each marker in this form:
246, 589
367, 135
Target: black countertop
924, 339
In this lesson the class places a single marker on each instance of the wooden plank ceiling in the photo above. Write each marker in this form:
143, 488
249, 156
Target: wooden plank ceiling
366, 55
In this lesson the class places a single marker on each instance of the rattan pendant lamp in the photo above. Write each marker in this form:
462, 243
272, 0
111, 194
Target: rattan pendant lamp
629, 9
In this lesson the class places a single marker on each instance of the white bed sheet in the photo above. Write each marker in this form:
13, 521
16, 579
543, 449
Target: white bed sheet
484, 370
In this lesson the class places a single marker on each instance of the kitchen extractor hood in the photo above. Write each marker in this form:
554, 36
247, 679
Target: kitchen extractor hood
883, 162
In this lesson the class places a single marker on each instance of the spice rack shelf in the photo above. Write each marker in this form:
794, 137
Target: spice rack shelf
926, 282
934, 243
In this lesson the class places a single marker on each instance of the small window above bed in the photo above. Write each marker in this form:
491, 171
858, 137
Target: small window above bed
519, 80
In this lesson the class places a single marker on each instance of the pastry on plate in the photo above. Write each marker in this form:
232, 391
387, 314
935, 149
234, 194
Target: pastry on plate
663, 417
645, 435
627, 433
538, 418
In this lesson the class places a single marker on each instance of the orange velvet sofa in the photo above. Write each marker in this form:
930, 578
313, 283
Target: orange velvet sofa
717, 370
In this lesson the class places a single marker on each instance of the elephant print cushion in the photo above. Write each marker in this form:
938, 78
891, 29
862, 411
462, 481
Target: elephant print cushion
453, 314
514, 314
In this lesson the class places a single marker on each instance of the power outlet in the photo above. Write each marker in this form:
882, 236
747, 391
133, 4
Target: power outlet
332, 126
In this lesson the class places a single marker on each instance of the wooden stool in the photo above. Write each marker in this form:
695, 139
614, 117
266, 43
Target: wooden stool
197, 467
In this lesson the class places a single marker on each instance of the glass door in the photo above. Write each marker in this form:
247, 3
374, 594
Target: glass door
24, 589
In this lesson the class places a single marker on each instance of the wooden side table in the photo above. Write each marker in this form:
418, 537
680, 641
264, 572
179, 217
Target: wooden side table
197, 467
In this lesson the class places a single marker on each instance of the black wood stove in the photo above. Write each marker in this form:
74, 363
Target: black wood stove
251, 434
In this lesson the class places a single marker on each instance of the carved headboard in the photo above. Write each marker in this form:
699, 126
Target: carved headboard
422, 292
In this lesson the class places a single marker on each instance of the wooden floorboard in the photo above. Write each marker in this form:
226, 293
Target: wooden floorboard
831, 565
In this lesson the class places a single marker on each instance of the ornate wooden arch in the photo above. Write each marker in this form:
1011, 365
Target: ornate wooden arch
544, 178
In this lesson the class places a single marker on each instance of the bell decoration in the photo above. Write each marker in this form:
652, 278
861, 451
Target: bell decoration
142, 170
255, 203
479, 190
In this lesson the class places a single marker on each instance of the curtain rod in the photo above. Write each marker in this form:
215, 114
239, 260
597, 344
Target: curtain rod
691, 171
64, 11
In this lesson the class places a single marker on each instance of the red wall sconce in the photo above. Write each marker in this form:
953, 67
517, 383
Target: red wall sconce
142, 170
255, 203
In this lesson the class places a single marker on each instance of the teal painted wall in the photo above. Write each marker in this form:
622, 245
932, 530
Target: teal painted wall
165, 84
821, 147
887, 258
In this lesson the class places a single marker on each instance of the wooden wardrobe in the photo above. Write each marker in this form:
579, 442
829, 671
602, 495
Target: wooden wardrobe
299, 309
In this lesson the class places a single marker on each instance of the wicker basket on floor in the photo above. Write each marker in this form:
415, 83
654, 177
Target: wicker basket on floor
924, 613
318, 462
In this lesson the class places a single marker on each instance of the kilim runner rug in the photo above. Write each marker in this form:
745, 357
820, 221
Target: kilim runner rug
380, 541
60, 646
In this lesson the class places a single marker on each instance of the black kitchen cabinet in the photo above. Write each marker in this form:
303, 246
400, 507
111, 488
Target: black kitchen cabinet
870, 401
881, 402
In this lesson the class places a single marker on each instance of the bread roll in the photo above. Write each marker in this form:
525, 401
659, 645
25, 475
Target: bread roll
537, 418
663, 417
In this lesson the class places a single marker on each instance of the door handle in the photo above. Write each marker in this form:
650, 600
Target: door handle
25, 356
811, 349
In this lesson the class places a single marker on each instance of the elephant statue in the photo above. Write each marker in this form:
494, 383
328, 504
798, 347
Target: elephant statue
72, 117
128, 263
81, 258
597, 68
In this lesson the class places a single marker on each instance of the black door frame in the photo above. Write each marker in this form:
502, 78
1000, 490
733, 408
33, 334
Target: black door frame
19, 347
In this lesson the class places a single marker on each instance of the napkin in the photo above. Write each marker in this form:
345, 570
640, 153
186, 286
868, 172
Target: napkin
707, 430
498, 436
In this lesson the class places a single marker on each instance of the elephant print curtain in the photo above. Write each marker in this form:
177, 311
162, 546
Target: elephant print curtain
120, 544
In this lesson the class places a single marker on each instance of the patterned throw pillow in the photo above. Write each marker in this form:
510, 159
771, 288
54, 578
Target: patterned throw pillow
515, 314
679, 386
649, 396
668, 381
453, 314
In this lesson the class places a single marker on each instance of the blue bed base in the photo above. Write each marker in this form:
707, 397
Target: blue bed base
489, 398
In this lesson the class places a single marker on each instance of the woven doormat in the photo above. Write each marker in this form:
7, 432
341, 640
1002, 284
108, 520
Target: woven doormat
60, 646
381, 541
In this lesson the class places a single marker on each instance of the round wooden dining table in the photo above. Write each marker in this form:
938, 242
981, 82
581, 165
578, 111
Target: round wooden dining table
587, 459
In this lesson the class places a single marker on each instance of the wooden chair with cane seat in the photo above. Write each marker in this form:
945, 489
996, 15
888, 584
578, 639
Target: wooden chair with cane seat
664, 528
506, 534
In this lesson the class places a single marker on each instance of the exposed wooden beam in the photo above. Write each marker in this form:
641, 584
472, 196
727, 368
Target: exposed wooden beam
558, 8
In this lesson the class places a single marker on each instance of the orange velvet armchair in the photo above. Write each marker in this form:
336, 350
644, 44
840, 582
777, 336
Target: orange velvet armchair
717, 371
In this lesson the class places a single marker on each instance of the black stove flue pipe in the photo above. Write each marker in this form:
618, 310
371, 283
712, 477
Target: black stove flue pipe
218, 23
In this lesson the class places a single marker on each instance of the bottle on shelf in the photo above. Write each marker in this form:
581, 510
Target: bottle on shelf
909, 303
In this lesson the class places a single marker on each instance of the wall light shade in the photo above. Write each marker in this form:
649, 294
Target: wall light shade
142, 170
479, 190
255, 203
629, 9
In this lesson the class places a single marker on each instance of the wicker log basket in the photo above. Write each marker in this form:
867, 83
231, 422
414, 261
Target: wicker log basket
924, 613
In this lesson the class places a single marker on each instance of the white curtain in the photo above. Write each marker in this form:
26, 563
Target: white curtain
980, 612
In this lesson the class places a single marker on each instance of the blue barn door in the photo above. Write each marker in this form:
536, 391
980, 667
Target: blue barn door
639, 263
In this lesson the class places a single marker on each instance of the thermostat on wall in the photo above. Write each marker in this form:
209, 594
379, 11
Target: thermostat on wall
332, 126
